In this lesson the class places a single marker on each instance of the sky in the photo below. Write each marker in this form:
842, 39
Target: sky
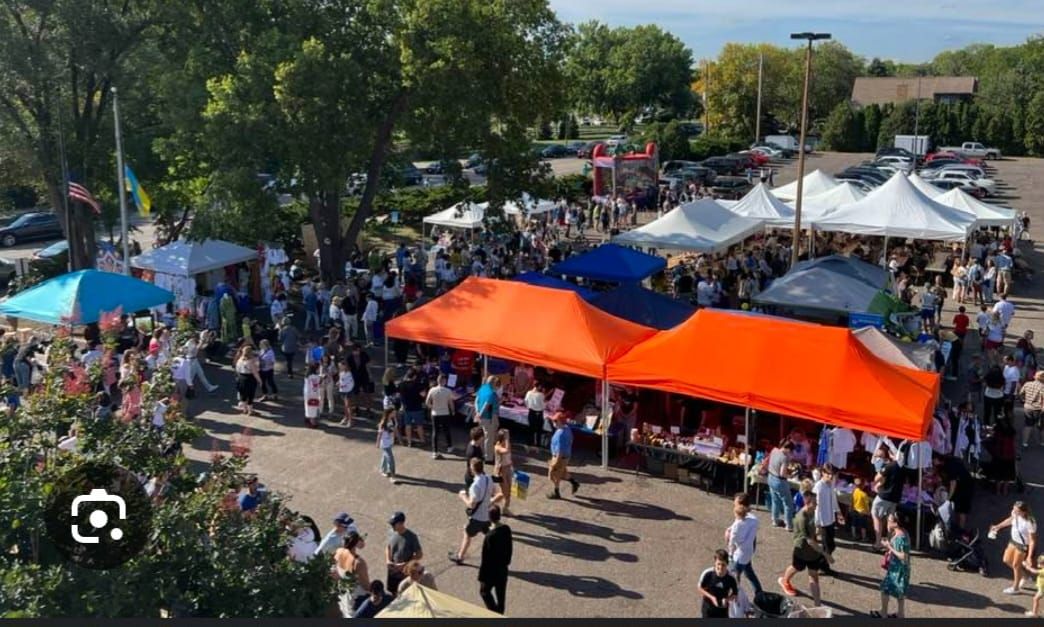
902, 30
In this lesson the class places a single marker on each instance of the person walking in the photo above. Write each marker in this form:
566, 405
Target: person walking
369, 318
496, 557
561, 450
782, 503
741, 538
487, 412
266, 368
1039, 572
718, 587
828, 512
387, 434
311, 307
440, 402
1032, 394
288, 340
503, 468
247, 379
1022, 544
808, 554
477, 500
403, 547
535, 404
412, 392
473, 451
191, 352
345, 387
896, 580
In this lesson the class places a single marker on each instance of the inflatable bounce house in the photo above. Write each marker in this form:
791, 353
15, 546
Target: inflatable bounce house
628, 173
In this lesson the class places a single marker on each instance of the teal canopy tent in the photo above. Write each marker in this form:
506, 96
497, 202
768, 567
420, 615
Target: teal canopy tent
82, 297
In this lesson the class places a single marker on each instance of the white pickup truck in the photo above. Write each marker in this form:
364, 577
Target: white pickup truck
974, 150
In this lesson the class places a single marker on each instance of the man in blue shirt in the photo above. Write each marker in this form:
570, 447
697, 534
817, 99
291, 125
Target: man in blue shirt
561, 449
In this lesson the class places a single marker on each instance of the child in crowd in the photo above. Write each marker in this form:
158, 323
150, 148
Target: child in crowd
860, 514
1039, 572
386, 437
799, 501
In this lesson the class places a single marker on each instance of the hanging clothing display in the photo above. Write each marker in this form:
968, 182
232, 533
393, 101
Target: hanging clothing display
918, 455
969, 438
229, 333
823, 454
842, 443
272, 260
183, 288
939, 435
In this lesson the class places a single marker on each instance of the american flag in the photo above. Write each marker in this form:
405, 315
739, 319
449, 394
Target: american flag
82, 194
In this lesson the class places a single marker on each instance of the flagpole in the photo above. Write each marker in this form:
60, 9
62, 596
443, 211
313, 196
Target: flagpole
121, 183
65, 191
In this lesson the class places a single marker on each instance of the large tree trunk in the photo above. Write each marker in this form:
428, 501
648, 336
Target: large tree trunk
324, 208
382, 142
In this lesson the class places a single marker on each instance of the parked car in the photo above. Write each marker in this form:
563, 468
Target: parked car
785, 152
896, 162
965, 186
30, 226
974, 149
695, 174
723, 166
574, 146
438, 167
768, 151
473, 160
677, 164
730, 187
691, 129
956, 175
616, 140
874, 174
973, 170
588, 148
757, 159
862, 185
895, 151
54, 250
937, 157
555, 151
8, 271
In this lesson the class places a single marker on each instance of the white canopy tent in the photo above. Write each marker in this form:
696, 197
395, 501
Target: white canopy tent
185, 259
532, 206
762, 205
929, 190
821, 204
463, 215
898, 209
816, 182
701, 226
985, 213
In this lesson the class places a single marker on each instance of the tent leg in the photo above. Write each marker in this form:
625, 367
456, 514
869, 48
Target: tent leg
746, 454
884, 254
385, 350
605, 423
485, 367
920, 487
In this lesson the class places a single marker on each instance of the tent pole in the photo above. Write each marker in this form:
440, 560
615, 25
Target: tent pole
385, 350
605, 423
884, 254
920, 487
485, 367
746, 454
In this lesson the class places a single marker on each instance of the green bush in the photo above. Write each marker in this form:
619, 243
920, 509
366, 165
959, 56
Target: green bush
713, 146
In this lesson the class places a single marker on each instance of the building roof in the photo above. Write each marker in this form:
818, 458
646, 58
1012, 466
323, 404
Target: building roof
869, 90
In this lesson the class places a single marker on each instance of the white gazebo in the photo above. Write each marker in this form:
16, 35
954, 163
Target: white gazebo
815, 182
185, 259
898, 209
821, 204
760, 204
463, 215
528, 206
985, 213
929, 190
700, 226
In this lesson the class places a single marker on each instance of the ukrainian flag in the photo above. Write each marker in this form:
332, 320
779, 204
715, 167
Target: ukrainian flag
141, 199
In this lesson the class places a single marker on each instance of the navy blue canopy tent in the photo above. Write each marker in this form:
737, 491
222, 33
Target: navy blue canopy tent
633, 302
544, 280
611, 263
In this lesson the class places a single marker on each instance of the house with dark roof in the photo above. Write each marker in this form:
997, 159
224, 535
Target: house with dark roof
869, 90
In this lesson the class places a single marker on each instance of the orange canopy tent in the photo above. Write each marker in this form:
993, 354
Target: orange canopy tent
793, 368
512, 320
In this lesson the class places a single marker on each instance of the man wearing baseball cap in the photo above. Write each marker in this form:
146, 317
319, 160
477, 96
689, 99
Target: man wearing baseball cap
334, 539
403, 546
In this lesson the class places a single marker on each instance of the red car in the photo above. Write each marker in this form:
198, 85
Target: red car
759, 158
953, 155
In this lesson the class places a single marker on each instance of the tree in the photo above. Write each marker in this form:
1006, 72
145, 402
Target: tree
671, 140
834, 70
843, 129
58, 61
872, 118
622, 71
877, 67
732, 88
1034, 138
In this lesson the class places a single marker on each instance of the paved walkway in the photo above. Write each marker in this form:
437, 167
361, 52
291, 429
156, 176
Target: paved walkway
624, 546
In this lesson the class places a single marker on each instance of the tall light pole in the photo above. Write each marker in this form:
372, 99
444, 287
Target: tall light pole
757, 115
796, 244
121, 183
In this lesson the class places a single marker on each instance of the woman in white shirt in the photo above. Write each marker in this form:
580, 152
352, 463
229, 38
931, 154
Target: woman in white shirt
535, 403
335, 315
248, 377
266, 368
1023, 542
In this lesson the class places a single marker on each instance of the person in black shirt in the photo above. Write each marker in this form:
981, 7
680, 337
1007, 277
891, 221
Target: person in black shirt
413, 391
377, 601
960, 485
474, 450
717, 587
889, 487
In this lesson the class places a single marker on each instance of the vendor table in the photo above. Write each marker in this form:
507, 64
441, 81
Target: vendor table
722, 475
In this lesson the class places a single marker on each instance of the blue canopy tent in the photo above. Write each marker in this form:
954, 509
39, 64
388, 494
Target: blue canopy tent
611, 263
544, 280
82, 297
633, 302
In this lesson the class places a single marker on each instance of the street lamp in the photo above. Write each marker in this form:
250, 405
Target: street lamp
796, 244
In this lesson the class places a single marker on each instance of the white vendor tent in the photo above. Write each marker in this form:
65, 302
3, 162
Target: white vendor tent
985, 213
761, 205
186, 259
701, 226
898, 209
821, 204
816, 182
929, 190
532, 206
463, 215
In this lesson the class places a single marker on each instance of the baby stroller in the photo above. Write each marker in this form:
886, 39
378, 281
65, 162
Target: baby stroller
962, 548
